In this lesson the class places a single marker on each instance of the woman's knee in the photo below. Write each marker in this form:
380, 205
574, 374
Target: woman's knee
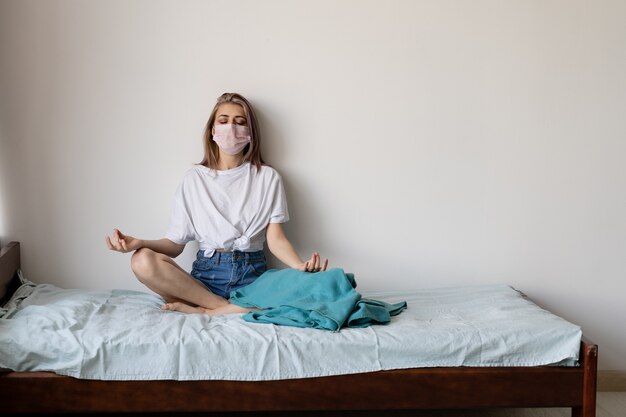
143, 262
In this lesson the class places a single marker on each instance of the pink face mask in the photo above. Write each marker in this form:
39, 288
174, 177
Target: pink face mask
231, 138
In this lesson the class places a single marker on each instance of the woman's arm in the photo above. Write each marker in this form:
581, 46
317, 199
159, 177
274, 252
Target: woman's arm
127, 243
164, 246
280, 247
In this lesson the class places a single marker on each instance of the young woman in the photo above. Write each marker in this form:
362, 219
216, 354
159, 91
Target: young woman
231, 203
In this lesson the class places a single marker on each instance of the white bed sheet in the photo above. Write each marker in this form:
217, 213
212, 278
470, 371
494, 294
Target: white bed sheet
124, 335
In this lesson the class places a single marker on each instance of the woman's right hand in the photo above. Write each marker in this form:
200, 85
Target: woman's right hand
313, 264
123, 243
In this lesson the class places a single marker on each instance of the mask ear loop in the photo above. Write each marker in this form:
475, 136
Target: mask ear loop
248, 153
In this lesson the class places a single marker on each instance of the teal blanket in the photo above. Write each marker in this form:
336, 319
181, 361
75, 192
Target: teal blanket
323, 300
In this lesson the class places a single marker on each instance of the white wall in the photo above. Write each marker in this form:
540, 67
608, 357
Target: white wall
422, 143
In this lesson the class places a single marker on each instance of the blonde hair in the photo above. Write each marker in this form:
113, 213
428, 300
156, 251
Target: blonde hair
252, 151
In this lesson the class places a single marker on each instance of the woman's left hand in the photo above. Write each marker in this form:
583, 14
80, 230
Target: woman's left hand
313, 264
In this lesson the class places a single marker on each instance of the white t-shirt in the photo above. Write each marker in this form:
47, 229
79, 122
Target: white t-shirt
227, 209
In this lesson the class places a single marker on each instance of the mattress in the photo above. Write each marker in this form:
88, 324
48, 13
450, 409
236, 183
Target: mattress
124, 335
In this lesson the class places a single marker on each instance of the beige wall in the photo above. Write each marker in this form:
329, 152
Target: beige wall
423, 143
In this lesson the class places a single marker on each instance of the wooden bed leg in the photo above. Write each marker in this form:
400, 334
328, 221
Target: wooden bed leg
589, 355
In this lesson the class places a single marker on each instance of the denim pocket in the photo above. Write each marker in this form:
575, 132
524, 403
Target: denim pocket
202, 265
258, 267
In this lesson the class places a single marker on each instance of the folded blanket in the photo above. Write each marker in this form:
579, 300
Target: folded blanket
323, 300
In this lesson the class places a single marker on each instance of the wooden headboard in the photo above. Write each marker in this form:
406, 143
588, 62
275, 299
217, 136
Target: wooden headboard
9, 264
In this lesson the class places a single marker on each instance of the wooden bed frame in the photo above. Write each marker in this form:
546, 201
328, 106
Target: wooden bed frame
371, 393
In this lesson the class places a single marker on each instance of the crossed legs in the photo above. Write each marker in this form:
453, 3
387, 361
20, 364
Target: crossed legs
179, 289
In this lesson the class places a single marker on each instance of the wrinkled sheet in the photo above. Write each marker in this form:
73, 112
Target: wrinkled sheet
124, 335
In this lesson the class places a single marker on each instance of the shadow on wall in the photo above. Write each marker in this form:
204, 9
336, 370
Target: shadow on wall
274, 149
5, 171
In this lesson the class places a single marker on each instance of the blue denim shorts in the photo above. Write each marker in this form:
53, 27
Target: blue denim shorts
228, 271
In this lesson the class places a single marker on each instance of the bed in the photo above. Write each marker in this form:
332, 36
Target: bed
397, 386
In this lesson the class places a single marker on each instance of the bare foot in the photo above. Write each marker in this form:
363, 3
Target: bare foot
184, 308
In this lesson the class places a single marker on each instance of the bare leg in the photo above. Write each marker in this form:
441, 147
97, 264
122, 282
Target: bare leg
185, 308
165, 277
227, 309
